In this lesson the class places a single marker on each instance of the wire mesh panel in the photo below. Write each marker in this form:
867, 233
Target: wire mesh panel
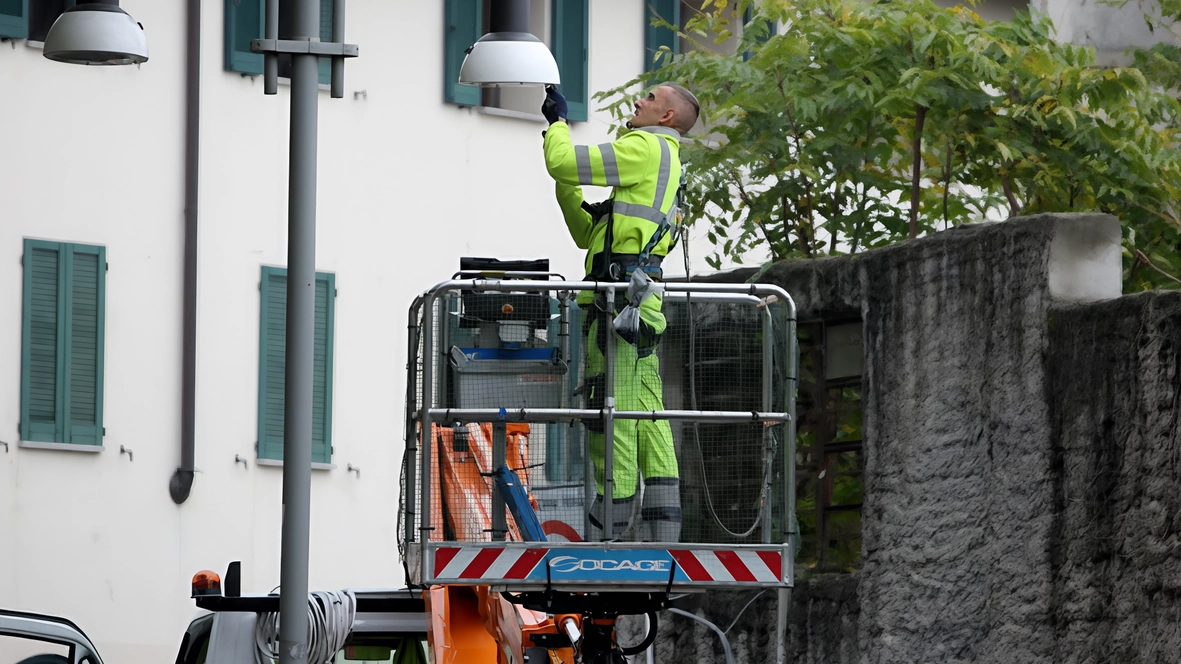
529, 382
714, 359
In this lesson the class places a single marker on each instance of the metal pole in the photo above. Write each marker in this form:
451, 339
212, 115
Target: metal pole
509, 16
781, 625
428, 434
499, 443
564, 435
537, 415
270, 61
768, 438
301, 308
789, 462
412, 436
337, 80
608, 419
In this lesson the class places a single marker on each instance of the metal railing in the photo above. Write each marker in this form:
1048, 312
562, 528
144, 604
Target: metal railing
777, 358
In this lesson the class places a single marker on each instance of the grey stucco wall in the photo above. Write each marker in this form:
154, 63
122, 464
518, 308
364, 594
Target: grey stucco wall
1022, 501
1114, 389
955, 519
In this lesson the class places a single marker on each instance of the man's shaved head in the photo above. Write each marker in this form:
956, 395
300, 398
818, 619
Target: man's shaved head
666, 105
685, 105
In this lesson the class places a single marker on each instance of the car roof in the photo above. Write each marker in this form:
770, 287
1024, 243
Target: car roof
48, 626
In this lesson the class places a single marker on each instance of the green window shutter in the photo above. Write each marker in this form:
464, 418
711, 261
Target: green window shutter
14, 19
462, 25
322, 369
570, 32
272, 363
325, 64
655, 36
244, 22
272, 359
40, 339
84, 351
62, 343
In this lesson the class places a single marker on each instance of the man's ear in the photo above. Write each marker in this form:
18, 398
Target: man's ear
668, 116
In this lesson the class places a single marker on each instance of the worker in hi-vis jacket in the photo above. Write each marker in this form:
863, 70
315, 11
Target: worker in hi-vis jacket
631, 231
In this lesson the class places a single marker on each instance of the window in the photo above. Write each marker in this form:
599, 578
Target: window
829, 458
20, 648
656, 37
562, 24
30, 19
62, 343
14, 19
272, 365
245, 21
736, 25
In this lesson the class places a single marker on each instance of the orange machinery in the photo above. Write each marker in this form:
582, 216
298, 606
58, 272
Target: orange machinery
474, 623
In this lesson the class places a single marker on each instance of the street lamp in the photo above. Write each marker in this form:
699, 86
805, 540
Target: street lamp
96, 32
509, 55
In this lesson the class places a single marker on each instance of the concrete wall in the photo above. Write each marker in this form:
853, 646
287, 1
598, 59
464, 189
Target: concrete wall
1114, 388
1021, 426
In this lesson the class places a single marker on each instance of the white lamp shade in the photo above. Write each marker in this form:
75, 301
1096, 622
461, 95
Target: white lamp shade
96, 34
501, 59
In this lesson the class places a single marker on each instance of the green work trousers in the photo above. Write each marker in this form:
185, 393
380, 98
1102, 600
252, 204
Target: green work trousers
637, 387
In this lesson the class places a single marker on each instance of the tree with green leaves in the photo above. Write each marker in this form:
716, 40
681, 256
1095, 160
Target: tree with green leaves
843, 125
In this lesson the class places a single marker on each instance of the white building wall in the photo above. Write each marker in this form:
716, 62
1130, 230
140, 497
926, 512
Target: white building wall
407, 184
1109, 29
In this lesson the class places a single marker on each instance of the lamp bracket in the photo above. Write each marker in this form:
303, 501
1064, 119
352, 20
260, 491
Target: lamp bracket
304, 47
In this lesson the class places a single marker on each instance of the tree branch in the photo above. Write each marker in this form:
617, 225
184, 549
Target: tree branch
859, 225
1140, 255
742, 193
786, 235
946, 182
795, 132
834, 215
920, 118
1014, 207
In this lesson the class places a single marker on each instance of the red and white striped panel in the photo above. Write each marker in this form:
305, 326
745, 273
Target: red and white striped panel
485, 563
740, 566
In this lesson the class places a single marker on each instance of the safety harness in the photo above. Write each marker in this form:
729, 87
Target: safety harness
609, 266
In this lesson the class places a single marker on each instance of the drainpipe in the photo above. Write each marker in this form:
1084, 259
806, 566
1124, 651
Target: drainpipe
182, 480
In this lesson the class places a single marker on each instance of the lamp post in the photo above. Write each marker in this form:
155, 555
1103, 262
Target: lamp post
305, 49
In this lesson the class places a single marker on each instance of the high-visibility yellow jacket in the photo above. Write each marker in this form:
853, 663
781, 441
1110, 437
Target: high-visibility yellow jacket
643, 166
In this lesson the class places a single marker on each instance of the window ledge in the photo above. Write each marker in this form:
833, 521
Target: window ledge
278, 463
64, 447
509, 113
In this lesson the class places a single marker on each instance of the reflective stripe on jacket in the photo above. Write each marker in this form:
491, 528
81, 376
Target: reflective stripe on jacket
643, 166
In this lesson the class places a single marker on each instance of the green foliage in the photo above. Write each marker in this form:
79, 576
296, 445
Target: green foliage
860, 124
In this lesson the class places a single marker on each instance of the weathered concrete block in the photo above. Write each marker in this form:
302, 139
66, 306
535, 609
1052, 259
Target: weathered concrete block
1086, 262
1114, 390
959, 497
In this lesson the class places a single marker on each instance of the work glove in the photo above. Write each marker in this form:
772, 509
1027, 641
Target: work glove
639, 288
554, 107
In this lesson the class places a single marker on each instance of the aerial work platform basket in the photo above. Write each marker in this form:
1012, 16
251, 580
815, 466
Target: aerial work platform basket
499, 474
